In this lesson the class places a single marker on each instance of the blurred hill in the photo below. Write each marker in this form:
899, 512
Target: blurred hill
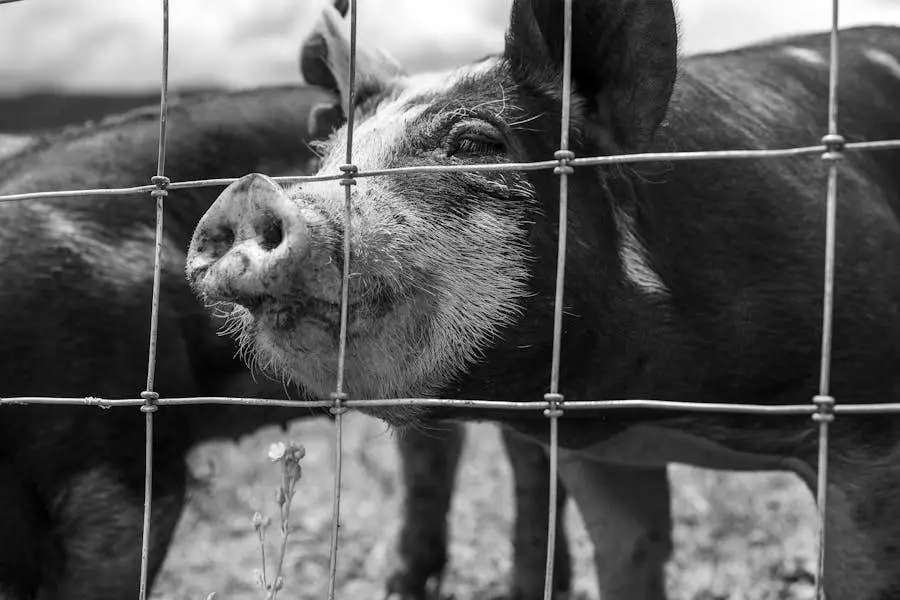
39, 111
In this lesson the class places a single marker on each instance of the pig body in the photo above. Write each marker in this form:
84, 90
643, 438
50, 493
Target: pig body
75, 301
687, 281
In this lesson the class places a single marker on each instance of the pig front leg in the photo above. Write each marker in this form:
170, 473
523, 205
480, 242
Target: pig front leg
429, 460
429, 463
531, 479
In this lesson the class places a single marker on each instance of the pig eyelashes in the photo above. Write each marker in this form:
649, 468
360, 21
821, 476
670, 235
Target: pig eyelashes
474, 137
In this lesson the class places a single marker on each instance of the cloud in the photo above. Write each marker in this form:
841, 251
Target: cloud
104, 45
719, 24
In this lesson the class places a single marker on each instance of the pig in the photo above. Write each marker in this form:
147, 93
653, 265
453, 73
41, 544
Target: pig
689, 281
75, 302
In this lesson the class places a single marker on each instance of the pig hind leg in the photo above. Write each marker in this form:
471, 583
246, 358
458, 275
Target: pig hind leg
627, 513
862, 534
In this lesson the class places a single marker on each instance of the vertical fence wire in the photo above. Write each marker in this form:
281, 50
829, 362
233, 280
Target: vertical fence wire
339, 395
149, 407
564, 156
825, 402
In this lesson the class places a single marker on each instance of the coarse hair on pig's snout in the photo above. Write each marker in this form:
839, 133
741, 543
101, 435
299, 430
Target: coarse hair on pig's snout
433, 277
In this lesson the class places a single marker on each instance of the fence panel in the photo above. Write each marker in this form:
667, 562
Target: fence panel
823, 407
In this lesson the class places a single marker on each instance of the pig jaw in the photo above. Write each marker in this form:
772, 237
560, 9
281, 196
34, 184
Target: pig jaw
384, 349
409, 343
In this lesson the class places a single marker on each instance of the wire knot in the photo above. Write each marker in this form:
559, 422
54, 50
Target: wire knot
150, 398
834, 147
555, 401
564, 157
338, 407
350, 172
825, 404
161, 182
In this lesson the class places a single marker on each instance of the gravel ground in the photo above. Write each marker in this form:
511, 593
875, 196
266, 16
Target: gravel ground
738, 536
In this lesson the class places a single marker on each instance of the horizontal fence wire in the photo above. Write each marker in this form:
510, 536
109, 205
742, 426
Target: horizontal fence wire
458, 403
540, 165
823, 408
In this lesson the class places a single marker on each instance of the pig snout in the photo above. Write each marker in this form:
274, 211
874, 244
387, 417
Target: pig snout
247, 243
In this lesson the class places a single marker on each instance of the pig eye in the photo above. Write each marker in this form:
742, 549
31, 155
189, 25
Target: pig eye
474, 138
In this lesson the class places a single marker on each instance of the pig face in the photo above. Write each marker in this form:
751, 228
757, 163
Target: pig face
439, 263
444, 265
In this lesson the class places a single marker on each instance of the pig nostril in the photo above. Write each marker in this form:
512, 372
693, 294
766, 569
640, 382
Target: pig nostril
272, 235
217, 241
227, 237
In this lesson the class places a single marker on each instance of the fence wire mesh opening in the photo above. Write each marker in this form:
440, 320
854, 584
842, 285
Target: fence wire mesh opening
823, 406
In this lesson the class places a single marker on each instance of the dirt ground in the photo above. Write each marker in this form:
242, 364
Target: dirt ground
738, 536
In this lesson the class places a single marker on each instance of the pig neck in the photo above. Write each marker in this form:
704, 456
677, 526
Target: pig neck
624, 339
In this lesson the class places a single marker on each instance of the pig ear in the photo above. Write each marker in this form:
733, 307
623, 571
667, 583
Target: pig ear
623, 61
323, 119
325, 62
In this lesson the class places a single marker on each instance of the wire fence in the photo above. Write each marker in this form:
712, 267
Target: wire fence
822, 408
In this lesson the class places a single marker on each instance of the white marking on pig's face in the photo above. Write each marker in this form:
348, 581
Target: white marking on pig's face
439, 262
884, 59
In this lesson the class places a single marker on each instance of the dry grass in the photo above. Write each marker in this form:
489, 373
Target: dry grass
738, 536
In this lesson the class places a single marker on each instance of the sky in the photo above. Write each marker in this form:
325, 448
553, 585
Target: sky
114, 45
